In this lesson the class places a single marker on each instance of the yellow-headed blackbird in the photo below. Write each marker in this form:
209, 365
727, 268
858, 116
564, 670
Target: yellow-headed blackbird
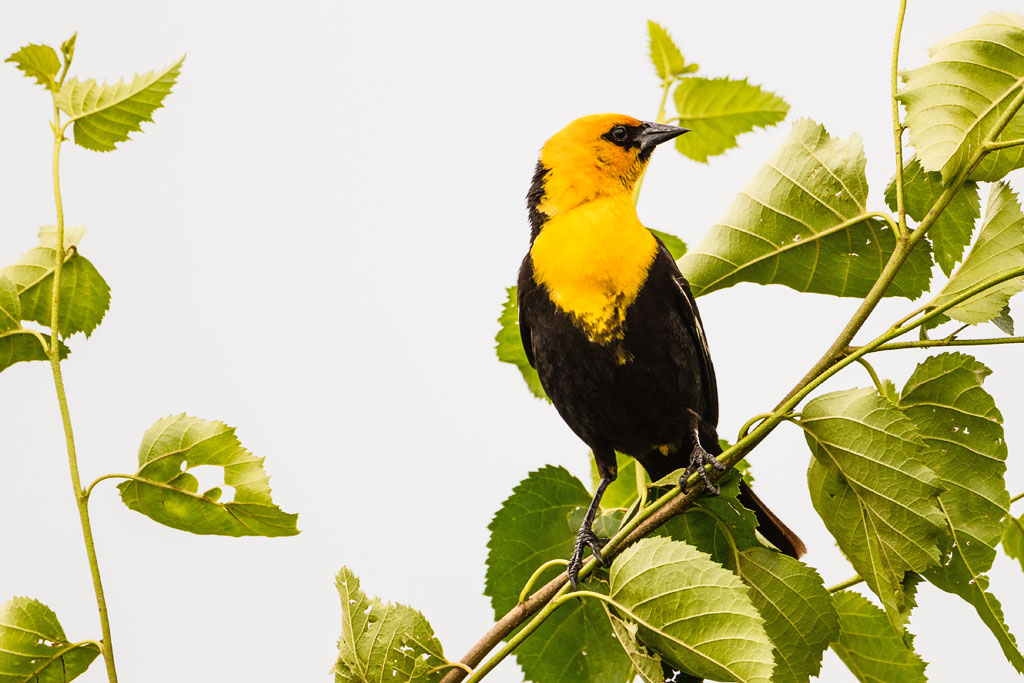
609, 322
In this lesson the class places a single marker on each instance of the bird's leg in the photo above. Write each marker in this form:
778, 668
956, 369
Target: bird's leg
698, 459
586, 536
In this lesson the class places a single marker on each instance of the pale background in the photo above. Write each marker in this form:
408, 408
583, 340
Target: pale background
312, 244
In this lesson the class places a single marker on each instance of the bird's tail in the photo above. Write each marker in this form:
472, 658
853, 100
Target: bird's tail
770, 526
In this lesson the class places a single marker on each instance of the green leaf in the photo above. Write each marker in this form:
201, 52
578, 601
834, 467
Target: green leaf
1013, 539
39, 62
166, 492
646, 663
954, 100
797, 609
535, 525
951, 231
959, 421
668, 60
716, 525
16, 347
695, 614
998, 249
33, 647
10, 305
869, 645
870, 486
84, 294
799, 223
104, 115
67, 48
510, 344
717, 110
675, 246
383, 641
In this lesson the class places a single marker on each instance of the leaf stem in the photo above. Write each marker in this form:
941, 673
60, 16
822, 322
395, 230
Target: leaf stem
58, 382
931, 343
22, 330
897, 127
666, 86
852, 581
88, 490
523, 594
873, 374
1016, 498
1003, 144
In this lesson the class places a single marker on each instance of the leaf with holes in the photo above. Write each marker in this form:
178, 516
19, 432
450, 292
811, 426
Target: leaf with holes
718, 110
869, 646
999, 249
797, 609
33, 647
695, 614
665, 55
164, 490
954, 101
958, 420
1013, 539
39, 62
104, 115
383, 641
870, 485
951, 232
801, 222
510, 344
538, 523
84, 294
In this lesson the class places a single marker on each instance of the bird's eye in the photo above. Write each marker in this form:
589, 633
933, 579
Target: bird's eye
618, 133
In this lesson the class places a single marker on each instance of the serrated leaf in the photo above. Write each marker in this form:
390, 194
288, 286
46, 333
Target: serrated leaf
1004, 322
383, 642
39, 62
668, 60
1013, 539
104, 115
960, 423
797, 609
16, 347
166, 492
646, 663
695, 614
954, 101
534, 525
870, 647
951, 232
84, 294
869, 484
33, 647
510, 344
718, 110
675, 246
798, 224
716, 524
998, 249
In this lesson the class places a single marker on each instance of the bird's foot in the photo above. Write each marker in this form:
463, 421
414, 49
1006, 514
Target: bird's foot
586, 538
698, 459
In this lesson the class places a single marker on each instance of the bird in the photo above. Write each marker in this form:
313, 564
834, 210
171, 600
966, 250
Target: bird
609, 322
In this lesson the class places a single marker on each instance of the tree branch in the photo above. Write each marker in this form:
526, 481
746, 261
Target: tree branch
931, 343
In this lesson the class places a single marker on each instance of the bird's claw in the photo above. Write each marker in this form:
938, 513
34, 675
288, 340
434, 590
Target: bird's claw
698, 459
586, 538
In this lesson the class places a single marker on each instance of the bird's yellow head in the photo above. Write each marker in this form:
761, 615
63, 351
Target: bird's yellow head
595, 156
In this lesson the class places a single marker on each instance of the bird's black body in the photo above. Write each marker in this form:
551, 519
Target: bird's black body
644, 395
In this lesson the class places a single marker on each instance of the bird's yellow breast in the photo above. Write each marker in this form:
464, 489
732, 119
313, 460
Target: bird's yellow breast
593, 260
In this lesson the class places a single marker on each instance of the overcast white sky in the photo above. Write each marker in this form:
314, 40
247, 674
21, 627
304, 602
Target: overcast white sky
312, 244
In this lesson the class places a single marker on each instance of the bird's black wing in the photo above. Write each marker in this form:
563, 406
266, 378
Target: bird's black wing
687, 308
524, 289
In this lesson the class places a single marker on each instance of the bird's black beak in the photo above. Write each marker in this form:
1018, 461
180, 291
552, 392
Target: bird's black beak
653, 134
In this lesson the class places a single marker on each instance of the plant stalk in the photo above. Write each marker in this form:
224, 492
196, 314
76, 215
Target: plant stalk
897, 127
58, 381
